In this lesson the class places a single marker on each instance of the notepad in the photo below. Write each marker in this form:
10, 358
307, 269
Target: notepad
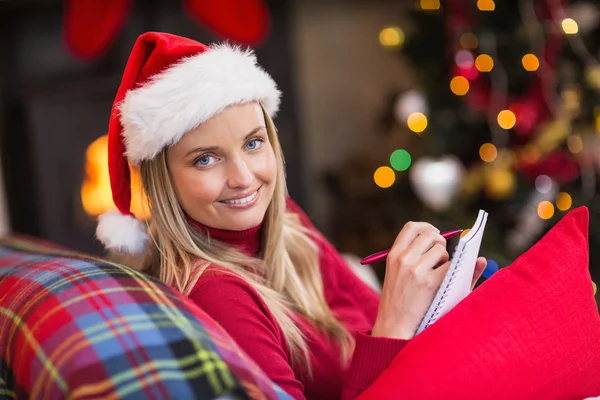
457, 282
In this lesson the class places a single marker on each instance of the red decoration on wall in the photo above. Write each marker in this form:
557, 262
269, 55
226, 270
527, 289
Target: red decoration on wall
91, 26
244, 21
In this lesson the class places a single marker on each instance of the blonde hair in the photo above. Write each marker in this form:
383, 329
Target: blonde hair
288, 278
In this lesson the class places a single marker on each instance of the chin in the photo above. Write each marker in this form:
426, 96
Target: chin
243, 222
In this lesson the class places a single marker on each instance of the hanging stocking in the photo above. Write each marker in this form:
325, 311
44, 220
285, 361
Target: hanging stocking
244, 21
91, 26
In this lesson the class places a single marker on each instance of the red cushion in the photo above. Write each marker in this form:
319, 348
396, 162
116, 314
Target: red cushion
532, 331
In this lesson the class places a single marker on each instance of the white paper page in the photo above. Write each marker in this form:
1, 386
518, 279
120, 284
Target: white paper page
457, 283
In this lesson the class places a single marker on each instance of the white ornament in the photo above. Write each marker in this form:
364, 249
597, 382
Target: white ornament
409, 102
437, 182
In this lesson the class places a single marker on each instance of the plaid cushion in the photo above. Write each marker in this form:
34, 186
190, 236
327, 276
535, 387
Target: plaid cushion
72, 326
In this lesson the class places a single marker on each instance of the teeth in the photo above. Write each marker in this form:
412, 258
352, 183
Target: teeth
242, 200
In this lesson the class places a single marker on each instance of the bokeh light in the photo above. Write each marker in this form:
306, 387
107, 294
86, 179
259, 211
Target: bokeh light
569, 26
543, 183
500, 183
563, 201
430, 4
488, 152
459, 85
506, 119
391, 36
469, 40
545, 210
490, 269
464, 59
486, 5
530, 62
384, 177
400, 160
484, 63
417, 122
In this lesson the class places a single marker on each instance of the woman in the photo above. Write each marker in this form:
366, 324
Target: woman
197, 121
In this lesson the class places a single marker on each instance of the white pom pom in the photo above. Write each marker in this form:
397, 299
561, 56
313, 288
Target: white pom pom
123, 233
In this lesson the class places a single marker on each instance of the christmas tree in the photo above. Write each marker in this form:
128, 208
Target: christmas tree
504, 116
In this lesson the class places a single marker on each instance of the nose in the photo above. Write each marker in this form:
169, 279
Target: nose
239, 175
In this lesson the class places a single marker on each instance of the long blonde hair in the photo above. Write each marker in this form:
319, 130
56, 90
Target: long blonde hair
288, 278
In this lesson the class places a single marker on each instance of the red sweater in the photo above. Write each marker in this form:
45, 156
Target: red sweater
245, 316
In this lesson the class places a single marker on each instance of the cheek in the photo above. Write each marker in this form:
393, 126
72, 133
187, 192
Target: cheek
196, 189
266, 168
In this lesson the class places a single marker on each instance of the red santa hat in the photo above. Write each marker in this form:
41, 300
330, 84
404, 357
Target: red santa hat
170, 85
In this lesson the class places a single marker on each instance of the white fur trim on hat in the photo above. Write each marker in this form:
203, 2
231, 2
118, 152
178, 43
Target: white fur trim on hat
123, 233
190, 92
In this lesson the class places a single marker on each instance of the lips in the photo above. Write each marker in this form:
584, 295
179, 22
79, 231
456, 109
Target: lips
243, 200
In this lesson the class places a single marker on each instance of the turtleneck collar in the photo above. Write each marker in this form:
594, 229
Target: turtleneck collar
247, 241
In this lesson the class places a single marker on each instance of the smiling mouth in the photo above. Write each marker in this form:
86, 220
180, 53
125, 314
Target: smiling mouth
243, 200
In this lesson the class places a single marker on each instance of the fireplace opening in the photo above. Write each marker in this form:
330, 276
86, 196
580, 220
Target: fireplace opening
96, 196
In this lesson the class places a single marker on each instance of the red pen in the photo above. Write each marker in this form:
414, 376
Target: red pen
383, 254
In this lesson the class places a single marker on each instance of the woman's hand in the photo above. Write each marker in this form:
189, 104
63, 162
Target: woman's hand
479, 268
416, 266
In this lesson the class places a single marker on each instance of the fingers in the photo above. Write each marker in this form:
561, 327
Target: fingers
409, 233
435, 256
479, 268
425, 241
440, 272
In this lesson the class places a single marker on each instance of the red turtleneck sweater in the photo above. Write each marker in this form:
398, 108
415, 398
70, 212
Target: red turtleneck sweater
244, 315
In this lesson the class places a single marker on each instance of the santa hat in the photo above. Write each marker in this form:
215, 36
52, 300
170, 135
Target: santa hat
170, 85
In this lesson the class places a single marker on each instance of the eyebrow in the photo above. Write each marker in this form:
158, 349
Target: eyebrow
212, 148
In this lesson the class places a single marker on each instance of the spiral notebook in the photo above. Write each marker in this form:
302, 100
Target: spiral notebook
457, 283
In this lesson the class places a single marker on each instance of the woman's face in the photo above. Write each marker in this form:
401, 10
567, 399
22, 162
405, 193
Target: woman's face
224, 171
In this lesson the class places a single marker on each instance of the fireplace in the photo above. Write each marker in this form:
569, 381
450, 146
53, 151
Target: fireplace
54, 113
66, 126
96, 196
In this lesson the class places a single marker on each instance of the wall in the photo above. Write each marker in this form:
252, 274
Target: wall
343, 80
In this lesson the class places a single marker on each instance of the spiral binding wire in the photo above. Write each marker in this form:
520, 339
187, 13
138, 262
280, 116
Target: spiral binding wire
443, 298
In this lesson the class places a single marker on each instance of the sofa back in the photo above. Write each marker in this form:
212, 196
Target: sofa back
73, 326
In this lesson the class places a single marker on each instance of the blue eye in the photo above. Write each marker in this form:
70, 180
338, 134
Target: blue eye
254, 144
204, 160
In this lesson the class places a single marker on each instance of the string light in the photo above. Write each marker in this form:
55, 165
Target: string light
417, 122
484, 63
506, 119
400, 160
486, 5
575, 144
468, 40
545, 210
430, 4
488, 152
459, 85
530, 62
384, 177
563, 201
569, 26
391, 36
